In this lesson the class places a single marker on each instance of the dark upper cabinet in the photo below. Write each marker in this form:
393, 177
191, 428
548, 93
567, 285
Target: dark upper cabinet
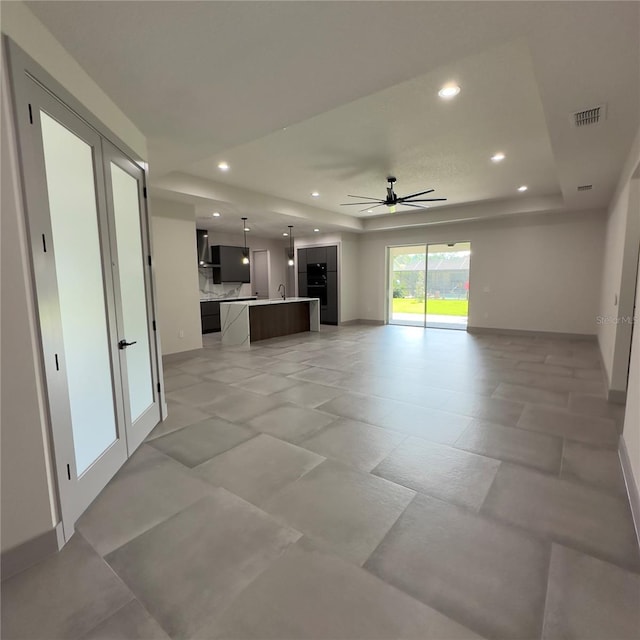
332, 258
316, 254
302, 284
228, 266
302, 261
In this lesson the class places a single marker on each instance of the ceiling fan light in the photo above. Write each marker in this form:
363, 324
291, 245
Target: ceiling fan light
449, 91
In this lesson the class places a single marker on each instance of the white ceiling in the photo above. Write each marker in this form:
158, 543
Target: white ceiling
335, 96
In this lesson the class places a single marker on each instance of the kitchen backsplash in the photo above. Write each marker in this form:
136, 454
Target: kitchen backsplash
211, 291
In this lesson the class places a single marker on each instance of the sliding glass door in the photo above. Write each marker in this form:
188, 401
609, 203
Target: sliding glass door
407, 290
429, 285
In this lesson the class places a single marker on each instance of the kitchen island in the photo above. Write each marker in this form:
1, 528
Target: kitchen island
252, 320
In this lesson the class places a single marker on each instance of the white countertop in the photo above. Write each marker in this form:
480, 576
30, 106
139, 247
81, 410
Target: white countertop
257, 303
211, 297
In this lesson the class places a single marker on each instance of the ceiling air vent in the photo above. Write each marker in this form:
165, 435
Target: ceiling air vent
585, 187
589, 116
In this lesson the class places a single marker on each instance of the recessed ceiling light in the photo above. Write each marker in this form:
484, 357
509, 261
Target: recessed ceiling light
315, 194
316, 230
498, 157
523, 188
449, 91
216, 214
223, 166
285, 234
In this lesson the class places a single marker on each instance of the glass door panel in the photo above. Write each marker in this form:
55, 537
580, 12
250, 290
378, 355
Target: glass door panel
132, 291
134, 303
407, 285
448, 285
70, 183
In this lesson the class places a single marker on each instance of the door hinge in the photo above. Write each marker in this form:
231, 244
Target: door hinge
144, 191
44, 243
69, 472
149, 260
158, 387
153, 324
57, 363
30, 114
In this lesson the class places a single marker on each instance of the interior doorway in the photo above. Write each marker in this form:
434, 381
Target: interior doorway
429, 285
260, 280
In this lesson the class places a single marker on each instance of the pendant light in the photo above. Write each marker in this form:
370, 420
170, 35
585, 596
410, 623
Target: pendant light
291, 262
245, 251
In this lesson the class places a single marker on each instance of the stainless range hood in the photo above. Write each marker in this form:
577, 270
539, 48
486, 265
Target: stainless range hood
202, 244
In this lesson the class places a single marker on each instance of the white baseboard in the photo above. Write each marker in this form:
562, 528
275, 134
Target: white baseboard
632, 487
31, 552
525, 332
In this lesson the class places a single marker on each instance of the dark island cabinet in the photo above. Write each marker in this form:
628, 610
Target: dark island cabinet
210, 316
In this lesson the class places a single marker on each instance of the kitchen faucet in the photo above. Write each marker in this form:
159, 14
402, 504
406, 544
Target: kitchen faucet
284, 291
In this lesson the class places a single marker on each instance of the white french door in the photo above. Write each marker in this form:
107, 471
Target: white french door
131, 277
89, 242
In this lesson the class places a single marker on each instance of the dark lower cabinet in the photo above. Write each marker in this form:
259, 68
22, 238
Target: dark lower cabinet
329, 313
210, 314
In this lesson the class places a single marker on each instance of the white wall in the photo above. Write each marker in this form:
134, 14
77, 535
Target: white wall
631, 431
28, 489
27, 482
176, 273
539, 273
349, 277
619, 268
32, 36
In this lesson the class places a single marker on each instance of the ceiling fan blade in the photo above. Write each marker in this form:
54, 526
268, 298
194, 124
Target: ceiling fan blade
369, 208
348, 204
364, 197
424, 200
420, 193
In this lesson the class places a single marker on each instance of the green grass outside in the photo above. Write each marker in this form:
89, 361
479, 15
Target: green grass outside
435, 307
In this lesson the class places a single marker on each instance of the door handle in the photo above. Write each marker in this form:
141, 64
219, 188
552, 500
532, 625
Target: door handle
123, 344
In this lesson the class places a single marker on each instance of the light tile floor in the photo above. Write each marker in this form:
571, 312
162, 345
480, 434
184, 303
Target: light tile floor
361, 482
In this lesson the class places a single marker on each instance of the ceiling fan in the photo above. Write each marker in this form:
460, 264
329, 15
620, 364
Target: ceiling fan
392, 199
